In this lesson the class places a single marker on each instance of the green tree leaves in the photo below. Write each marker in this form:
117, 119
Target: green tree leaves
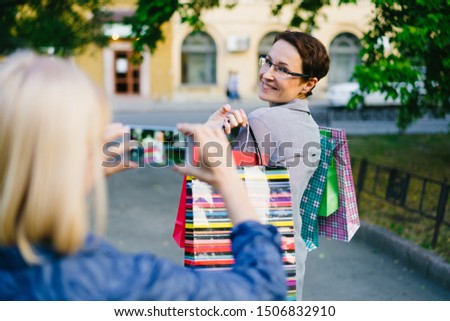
405, 51
63, 27
416, 67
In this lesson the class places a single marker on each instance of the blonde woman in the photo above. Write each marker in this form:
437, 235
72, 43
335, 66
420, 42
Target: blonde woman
53, 121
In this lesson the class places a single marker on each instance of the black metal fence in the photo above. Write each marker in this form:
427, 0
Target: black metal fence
388, 113
424, 196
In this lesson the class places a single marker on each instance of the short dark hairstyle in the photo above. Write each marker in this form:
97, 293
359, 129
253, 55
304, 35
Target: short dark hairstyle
313, 53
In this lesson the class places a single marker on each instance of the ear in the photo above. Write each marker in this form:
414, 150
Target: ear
308, 85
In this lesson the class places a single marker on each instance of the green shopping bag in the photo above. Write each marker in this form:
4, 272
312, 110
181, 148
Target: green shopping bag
330, 199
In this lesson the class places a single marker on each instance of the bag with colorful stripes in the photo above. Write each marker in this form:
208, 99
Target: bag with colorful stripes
207, 226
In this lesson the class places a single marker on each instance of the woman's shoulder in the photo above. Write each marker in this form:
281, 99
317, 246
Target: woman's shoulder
258, 112
290, 107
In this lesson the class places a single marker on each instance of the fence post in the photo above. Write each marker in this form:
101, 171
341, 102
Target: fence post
391, 190
405, 187
443, 197
361, 176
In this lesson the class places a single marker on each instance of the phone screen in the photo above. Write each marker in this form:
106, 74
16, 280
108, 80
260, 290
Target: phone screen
157, 146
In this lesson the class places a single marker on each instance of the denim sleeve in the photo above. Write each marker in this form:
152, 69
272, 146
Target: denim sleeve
257, 273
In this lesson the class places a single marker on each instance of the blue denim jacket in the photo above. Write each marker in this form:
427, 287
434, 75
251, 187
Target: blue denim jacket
101, 272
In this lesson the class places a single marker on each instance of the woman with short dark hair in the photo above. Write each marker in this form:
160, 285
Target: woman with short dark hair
285, 132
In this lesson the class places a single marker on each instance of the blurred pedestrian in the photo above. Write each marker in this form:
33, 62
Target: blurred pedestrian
232, 88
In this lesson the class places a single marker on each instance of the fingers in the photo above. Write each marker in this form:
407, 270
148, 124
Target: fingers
205, 137
218, 115
119, 168
214, 148
188, 128
227, 118
237, 117
225, 109
222, 111
227, 126
200, 132
114, 131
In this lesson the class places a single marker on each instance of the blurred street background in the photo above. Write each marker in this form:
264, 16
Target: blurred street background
161, 62
144, 202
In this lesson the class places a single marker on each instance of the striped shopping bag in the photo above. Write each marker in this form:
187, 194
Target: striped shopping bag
207, 226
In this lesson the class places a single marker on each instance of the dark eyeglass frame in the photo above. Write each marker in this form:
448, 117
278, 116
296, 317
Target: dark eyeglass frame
279, 68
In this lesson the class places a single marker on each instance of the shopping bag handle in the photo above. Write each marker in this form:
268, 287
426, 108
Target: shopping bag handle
262, 159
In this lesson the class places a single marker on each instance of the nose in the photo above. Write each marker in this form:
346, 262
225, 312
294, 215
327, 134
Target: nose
268, 73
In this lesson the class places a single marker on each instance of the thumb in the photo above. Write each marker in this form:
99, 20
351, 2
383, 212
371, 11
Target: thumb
225, 109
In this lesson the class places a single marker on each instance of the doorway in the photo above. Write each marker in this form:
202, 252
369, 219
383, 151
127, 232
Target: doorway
126, 75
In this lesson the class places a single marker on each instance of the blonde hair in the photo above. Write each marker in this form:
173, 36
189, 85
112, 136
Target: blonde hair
52, 119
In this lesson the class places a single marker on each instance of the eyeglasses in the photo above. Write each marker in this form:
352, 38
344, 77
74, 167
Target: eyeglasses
279, 71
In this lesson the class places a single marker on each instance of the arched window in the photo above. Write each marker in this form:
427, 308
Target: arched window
344, 56
264, 47
266, 43
198, 59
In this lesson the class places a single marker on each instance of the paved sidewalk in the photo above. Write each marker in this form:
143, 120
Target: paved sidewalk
424, 261
130, 104
135, 105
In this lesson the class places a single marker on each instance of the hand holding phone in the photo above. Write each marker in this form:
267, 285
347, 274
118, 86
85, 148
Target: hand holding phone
213, 161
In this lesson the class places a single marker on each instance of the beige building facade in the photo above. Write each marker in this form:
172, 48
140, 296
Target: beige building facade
190, 66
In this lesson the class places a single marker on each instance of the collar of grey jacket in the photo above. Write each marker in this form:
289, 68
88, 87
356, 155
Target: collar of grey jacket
298, 105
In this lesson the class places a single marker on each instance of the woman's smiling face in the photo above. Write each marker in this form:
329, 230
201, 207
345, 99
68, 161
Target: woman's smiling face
280, 90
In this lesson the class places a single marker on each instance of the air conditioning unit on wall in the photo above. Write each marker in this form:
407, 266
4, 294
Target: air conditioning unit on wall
237, 43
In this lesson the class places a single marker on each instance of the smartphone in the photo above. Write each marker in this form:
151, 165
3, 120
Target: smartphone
158, 146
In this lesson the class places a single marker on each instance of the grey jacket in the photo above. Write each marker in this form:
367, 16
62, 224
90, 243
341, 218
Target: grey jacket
291, 138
